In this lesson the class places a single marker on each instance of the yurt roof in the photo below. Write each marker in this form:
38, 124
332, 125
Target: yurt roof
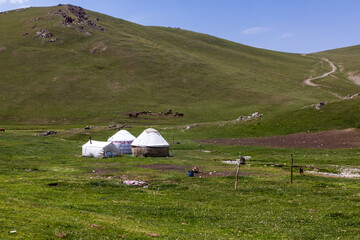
99, 144
122, 135
150, 138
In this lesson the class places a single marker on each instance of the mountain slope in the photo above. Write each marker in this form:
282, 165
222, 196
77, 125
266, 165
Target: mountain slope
348, 60
99, 71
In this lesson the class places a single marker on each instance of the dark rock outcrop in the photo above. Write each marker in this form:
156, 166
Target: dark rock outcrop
80, 21
77, 11
68, 21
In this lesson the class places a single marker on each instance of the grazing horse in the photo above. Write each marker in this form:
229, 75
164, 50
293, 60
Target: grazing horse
2, 129
133, 115
169, 112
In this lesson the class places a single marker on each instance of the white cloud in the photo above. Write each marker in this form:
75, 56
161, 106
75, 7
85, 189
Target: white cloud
16, 2
19, 2
287, 35
255, 30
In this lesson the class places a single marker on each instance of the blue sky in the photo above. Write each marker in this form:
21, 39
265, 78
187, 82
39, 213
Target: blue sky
301, 26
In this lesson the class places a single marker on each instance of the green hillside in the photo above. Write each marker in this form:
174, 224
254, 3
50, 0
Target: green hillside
348, 60
99, 71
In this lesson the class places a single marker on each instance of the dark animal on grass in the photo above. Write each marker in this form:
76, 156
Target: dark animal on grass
301, 170
169, 112
2, 129
144, 113
179, 114
88, 127
133, 115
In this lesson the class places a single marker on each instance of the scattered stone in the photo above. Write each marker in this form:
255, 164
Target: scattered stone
135, 183
80, 29
191, 126
117, 127
320, 105
46, 35
254, 115
54, 39
35, 20
352, 96
20, 10
2, 48
345, 172
48, 133
57, 12
25, 34
96, 49
236, 161
91, 24
6, 12
41, 31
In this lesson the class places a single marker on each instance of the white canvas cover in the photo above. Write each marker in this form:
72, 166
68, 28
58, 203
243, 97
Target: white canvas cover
98, 149
150, 138
122, 139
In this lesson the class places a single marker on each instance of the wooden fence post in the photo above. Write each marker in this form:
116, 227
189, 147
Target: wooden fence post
292, 166
237, 174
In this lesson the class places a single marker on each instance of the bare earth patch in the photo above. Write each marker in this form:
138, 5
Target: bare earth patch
348, 138
178, 168
168, 167
354, 77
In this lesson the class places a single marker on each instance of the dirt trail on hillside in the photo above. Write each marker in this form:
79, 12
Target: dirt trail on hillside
309, 82
348, 138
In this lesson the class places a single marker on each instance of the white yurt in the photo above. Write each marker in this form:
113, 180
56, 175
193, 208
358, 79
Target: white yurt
100, 149
150, 143
122, 139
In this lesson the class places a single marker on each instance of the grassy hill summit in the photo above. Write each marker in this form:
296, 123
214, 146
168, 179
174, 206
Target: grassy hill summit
65, 64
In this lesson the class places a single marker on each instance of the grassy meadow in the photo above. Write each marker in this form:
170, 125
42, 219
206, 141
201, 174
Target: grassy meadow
50, 192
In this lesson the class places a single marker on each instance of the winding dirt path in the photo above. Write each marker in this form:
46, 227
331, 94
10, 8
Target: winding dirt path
309, 82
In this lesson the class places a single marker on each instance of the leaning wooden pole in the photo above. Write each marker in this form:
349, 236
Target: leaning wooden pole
237, 173
292, 166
